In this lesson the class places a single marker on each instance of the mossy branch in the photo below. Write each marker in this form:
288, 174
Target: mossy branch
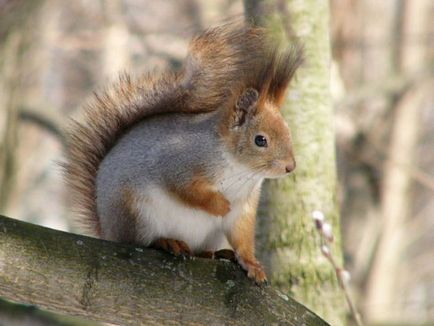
126, 284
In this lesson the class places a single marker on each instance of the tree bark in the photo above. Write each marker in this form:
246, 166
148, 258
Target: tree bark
9, 81
130, 285
288, 241
382, 302
14, 314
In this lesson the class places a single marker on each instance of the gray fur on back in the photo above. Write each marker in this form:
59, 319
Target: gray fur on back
160, 150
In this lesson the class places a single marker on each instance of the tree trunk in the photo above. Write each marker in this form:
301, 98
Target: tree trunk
14, 36
288, 241
130, 285
9, 64
382, 303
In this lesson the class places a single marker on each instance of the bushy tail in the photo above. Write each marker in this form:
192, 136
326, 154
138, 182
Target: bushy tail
104, 119
220, 60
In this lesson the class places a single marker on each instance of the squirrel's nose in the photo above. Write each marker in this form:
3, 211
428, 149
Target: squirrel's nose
290, 167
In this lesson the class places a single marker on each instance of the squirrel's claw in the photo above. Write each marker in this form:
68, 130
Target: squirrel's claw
176, 247
257, 273
225, 254
254, 270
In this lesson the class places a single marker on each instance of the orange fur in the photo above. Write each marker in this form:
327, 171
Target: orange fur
242, 240
106, 117
221, 63
200, 193
269, 120
176, 247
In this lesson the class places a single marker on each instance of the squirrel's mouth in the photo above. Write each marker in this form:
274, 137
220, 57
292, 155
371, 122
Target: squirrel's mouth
280, 169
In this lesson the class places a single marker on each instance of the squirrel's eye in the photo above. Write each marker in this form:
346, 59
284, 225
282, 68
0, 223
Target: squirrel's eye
261, 141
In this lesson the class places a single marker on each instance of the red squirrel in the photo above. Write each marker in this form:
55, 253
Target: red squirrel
176, 160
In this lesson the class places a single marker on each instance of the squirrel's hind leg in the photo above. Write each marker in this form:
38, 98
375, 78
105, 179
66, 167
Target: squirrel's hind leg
176, 247
228, 254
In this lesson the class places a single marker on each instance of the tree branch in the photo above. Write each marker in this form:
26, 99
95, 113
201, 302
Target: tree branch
125, 284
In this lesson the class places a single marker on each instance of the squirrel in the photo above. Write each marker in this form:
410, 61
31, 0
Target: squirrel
176, 160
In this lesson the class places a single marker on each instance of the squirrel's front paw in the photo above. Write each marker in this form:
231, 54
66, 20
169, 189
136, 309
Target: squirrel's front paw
219, 205
254, 270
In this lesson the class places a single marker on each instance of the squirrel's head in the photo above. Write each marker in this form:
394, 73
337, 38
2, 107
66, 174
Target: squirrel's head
254, 128
258, 136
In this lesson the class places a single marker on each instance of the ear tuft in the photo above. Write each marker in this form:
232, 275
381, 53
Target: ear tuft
286, 64
248, 99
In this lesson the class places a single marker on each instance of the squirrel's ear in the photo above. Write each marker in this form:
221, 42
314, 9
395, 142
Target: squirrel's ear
246, 106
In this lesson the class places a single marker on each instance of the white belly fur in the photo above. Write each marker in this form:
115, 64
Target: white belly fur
163, 216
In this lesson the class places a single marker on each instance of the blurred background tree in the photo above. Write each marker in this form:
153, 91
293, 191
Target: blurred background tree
288, 242
53, 54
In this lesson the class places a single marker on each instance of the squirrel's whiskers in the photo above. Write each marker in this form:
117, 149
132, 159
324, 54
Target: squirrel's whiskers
177, 159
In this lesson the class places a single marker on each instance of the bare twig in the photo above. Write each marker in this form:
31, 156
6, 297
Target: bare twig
343, 276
